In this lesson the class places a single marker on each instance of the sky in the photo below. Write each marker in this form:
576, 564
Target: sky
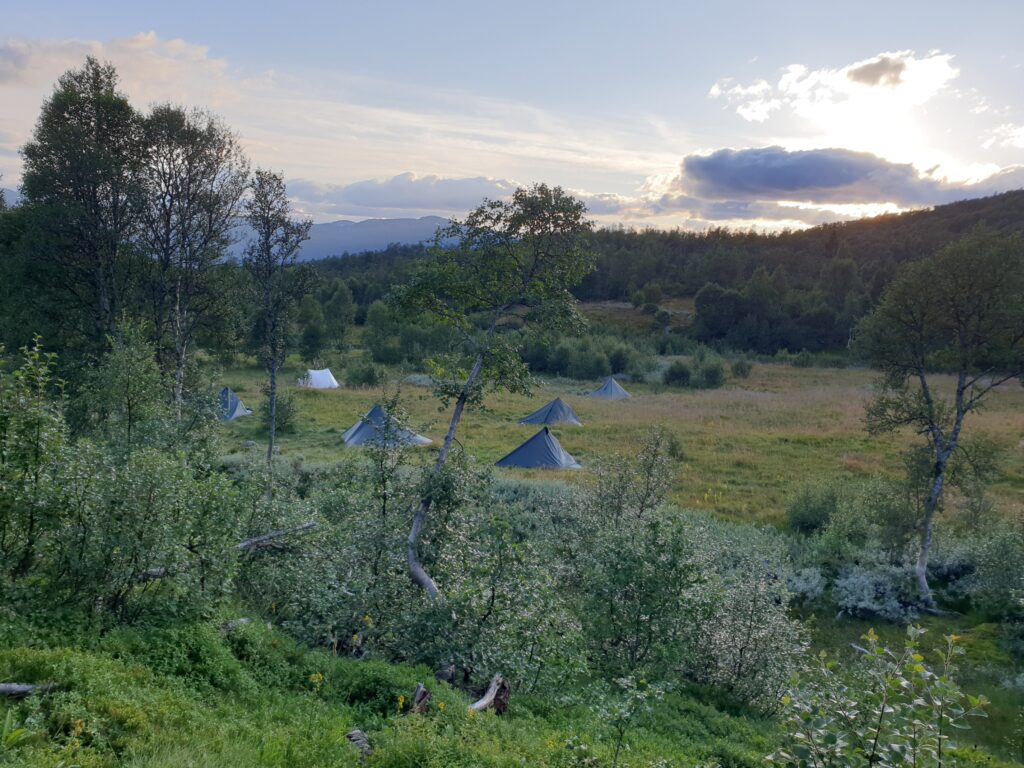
656, 114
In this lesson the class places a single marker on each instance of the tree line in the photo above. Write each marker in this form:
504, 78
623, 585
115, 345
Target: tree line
128, 217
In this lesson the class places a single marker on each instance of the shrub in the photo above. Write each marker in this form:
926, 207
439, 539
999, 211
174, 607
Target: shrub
803, 359
365, 374
620, 359
807, 584
882, 591
676, 375
812, 507
741, 368
588, 363
649, 308
287, 411
711, 374
887, 708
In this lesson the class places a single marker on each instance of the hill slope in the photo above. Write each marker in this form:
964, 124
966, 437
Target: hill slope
338, 237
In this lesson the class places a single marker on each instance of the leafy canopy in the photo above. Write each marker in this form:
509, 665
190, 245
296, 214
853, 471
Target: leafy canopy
508, 265
961, 311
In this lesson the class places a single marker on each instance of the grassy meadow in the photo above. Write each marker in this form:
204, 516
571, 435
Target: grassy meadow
746, 446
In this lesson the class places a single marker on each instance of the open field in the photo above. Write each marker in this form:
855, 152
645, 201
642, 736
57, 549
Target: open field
746, 446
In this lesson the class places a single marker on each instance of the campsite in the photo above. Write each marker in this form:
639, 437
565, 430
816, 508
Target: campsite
422, 386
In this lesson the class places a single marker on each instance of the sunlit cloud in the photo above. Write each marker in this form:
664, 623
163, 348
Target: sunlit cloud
1006, 135
815, 144
878, 105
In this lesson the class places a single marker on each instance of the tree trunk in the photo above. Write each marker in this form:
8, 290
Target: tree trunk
927, 527
417, 572
272, 427
180, 351
180, 361
22, 690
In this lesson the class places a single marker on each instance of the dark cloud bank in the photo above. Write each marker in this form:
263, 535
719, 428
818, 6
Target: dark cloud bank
725, 185
748, 183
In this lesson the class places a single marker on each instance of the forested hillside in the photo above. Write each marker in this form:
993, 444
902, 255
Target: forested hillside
761, 292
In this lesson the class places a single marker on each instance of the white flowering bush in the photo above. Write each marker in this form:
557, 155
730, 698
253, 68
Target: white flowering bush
882, 591
807, 584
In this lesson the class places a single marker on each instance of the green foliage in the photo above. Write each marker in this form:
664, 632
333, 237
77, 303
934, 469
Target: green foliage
83, 188
518, 258
364, 374
811, 509
123, 400
597, 354
287, 409
32, 434
711, 374
620, 710
677, 375
802, 359
890, 708
112, 518
664, 591
741, 368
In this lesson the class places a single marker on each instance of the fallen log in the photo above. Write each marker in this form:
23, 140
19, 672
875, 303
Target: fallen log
361, 740
496, 698
150, 574
420, 699
268, 539
23, 690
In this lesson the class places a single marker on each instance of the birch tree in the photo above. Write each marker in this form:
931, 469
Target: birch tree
195, 175
947, 332
278, 286
507, 264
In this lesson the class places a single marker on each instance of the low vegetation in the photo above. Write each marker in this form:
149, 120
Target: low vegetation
740, 573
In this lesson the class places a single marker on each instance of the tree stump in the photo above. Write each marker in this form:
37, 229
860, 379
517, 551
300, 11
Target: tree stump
420, 699
496, 698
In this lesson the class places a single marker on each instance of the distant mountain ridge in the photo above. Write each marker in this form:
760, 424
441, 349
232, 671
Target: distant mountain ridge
338, 237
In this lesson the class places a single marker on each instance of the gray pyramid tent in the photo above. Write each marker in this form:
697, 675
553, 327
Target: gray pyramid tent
610, 390
555, 412
372, 428
231, 407
542, 451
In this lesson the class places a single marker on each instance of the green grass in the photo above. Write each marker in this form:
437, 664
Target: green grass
747, 446
192, 696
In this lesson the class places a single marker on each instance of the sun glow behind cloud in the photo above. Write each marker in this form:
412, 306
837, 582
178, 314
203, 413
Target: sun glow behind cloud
812, 144
879, 105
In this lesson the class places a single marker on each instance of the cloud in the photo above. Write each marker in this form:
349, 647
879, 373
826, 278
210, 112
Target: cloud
403, 195
332, 127
882, 70
755, 102
821, 175
825, 177
885, 105
1006, 135
772, 187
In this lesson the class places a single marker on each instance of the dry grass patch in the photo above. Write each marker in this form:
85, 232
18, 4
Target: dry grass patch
746, 447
